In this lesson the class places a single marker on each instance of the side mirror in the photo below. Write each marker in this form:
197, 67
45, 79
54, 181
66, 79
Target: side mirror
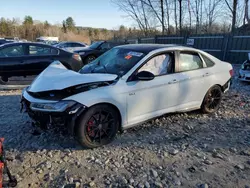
145, 76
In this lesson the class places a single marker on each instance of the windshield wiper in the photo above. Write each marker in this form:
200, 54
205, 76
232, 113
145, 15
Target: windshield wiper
99, 64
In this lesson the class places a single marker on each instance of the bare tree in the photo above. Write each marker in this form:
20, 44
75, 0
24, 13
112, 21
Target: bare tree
180, 15
168, 14
233, 10
162, 17
197, 10
246, 15
212, 9
135, 10
175, 16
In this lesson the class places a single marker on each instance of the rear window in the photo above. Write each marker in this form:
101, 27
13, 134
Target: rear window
208, 61
189, 61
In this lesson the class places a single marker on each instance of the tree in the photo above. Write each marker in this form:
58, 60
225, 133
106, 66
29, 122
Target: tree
246, 15
180, 15
233, 10
46, 24
64, 26
28, 20
162, 17
137, 11
70, 24
212, 10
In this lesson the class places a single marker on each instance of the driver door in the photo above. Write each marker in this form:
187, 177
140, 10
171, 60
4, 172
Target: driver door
147, 99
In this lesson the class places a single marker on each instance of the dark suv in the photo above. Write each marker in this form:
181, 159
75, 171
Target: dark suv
96, 49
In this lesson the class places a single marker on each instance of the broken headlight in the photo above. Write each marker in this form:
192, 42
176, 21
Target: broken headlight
60, 106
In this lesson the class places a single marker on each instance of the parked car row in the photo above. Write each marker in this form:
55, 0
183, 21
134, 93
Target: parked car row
27, 58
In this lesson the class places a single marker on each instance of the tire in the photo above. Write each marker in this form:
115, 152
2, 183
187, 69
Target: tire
3, 80
91, 133
212, 100
88, 59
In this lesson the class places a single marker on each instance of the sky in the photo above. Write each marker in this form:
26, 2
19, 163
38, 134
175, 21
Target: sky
87, 13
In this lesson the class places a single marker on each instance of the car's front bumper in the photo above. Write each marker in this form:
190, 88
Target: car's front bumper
47, 118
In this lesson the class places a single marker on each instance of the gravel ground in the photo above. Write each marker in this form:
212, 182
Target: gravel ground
176, 150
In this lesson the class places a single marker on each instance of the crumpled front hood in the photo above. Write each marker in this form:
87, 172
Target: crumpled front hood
58, 77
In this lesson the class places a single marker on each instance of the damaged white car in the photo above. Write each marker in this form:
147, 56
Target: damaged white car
124, 87
244, 73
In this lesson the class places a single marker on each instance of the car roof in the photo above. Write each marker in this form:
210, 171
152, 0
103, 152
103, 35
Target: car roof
27, 43
146, 48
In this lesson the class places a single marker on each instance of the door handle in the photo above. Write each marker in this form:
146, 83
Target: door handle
173, 81
206, 74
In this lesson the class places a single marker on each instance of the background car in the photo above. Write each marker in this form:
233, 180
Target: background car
23, 59
95, 50
5, 41
71, 46
126, 86
244, 73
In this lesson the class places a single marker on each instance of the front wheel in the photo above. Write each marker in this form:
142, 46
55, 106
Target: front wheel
89, 59
98, 126
212, 100
3, 80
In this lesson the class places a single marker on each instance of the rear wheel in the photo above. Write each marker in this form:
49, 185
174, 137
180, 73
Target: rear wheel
98, 126
89, 58
3, 80
212, 100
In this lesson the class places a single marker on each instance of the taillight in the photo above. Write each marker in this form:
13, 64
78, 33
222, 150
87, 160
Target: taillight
231, 72
77, 57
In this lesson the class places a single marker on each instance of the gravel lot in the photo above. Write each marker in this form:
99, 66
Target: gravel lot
176, 150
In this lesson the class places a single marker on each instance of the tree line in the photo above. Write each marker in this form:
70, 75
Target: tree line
186, 16
30, 29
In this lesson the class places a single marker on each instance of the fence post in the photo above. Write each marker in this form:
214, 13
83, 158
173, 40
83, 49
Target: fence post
155, 39
139, 40
226, 38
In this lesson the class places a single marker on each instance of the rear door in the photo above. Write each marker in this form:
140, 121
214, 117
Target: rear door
40, 57
192, 72
12, 60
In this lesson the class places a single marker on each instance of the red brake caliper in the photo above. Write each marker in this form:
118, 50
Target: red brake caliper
90, 125
3, 168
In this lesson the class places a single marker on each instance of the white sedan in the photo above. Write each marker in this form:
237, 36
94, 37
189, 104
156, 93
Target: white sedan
124, 87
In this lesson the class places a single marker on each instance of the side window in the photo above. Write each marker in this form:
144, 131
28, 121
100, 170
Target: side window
105, 46
40, 50
159, 65
76, 45
208, 62
189, 61
12, 51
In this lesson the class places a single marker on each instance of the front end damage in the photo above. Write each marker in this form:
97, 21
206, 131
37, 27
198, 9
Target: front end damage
48, 115
45, 100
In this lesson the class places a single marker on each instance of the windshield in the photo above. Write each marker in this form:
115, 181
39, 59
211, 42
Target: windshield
116, 61
95, 44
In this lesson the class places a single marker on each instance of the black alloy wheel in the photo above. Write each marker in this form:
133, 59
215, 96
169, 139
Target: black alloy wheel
3, 80
98, 126
212, 100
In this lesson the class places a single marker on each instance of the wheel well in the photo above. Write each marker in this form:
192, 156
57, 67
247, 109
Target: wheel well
118, 111
88, 56
111, 105
222, 89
